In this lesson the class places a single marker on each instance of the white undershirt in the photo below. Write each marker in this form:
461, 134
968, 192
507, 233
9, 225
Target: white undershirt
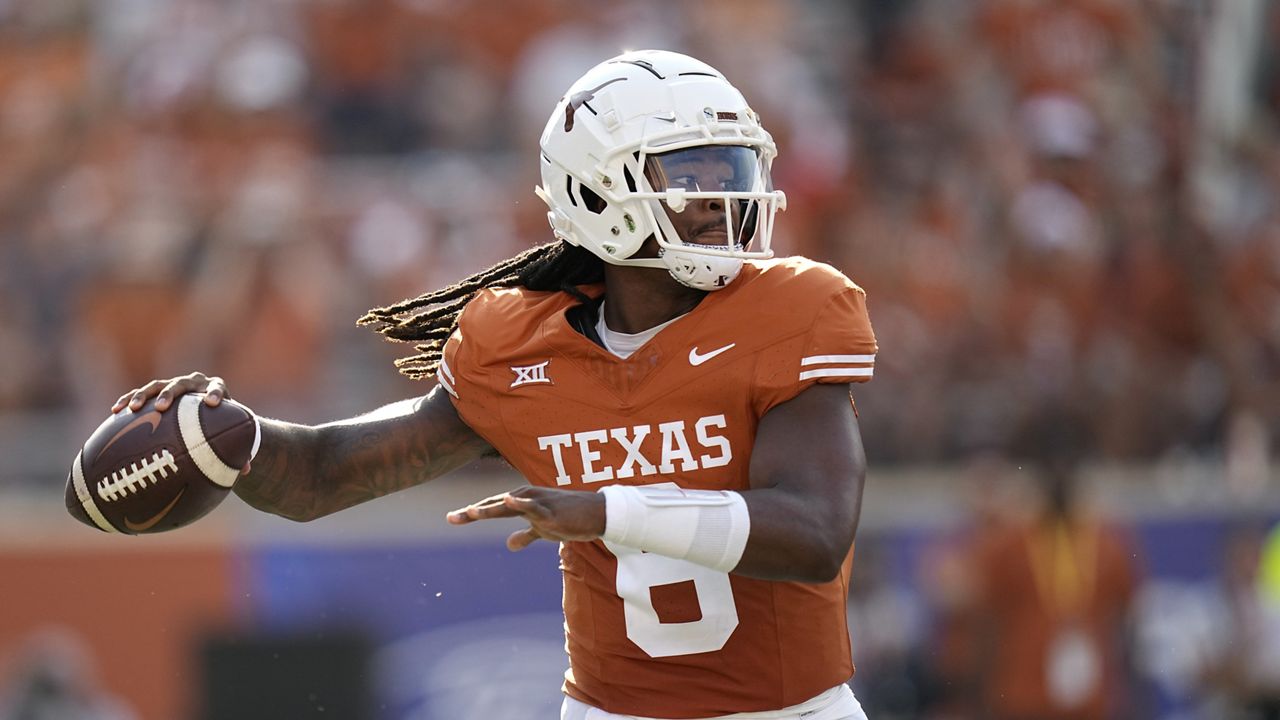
623, 344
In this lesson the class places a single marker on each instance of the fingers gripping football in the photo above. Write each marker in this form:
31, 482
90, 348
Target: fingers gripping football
168, 454
166, 391
556, 515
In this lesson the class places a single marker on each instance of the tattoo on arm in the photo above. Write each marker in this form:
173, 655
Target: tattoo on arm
304, 472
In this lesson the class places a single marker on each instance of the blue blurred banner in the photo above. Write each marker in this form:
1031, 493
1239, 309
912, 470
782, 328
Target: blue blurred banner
473, 631
464, 630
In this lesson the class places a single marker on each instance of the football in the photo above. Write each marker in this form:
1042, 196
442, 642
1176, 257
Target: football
148, 471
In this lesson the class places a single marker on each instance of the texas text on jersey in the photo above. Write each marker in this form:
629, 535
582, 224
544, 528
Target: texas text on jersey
649, 635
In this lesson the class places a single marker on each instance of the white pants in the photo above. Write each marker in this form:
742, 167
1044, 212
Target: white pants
838, 703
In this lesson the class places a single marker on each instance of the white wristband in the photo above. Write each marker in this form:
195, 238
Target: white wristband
706, 527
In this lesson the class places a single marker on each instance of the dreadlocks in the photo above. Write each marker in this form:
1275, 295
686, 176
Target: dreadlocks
431, 318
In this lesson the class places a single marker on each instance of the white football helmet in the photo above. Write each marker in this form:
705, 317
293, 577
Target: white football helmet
651, 128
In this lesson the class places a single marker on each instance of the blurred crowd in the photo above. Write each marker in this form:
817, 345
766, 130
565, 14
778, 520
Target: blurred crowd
1038, 605
1062, 210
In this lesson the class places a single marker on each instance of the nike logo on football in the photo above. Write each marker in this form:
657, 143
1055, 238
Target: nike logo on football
695, 359
149, 523
151, 418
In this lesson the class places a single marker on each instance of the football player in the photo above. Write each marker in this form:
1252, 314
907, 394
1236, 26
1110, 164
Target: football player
678, 400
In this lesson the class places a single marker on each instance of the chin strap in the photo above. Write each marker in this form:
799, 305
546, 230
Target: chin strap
561, 225
701, 272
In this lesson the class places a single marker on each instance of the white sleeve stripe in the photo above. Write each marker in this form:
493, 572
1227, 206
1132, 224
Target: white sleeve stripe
837, 372
444, 383
444, 368
824, 359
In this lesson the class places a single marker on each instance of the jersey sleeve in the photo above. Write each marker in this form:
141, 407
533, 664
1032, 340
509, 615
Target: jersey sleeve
449, 360
462, 375
839, 347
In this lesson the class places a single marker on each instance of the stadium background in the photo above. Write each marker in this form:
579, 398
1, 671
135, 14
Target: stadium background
1063, 212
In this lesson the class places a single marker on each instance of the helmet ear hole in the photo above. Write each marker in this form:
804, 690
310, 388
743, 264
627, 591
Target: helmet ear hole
591, 201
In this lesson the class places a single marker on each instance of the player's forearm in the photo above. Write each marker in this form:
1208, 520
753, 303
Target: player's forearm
808, 469
785, 532
303, 472
793, 538
287, 475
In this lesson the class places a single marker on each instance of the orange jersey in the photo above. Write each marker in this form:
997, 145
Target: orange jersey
649, 635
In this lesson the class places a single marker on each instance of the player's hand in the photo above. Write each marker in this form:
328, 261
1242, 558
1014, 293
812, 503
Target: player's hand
166, 391
556, 515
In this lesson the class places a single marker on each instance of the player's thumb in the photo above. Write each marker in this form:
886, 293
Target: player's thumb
522, 539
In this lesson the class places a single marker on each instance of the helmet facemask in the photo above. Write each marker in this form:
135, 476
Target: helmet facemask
711, 207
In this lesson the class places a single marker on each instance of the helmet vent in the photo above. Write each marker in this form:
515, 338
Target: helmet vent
646, 65
591, 200
568, 187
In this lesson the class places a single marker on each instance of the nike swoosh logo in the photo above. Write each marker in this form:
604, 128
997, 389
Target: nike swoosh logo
695, 359
151, 522
152, 418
